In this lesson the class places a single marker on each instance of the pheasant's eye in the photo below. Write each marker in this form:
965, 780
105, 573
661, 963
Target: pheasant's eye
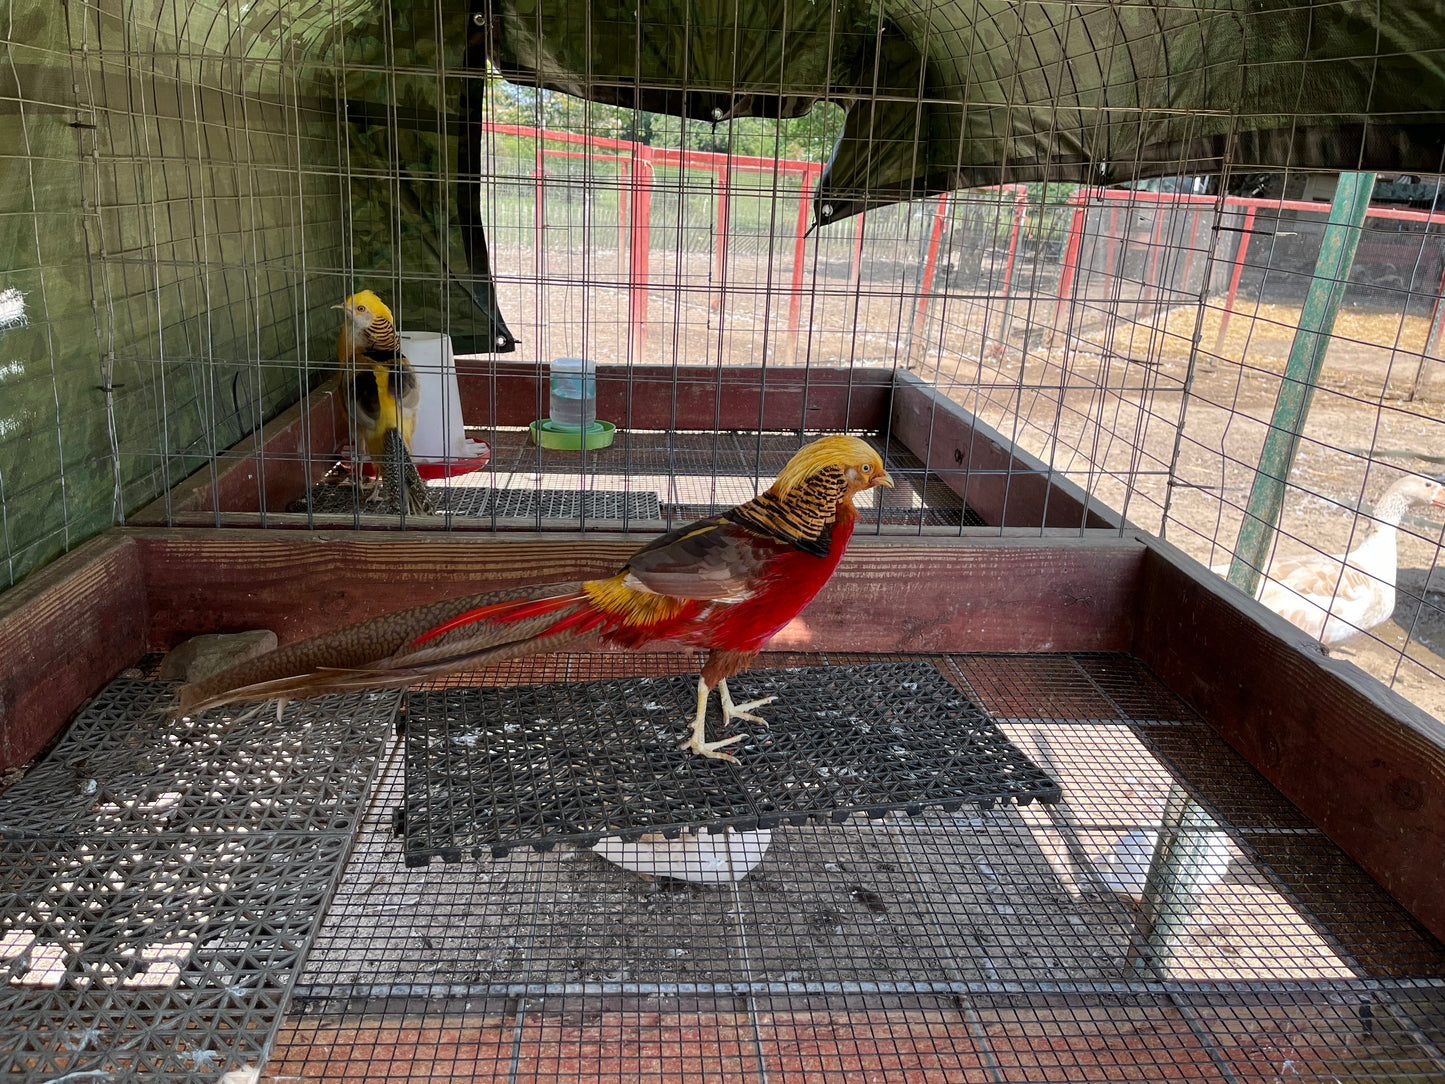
867, 468
360, 308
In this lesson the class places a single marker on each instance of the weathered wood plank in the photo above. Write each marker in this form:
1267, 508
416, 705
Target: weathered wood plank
268, 469
1359, 760
64, 632
997, 594
1003, 484
687, 396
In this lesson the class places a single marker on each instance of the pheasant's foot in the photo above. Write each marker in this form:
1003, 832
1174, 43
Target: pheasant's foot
733, 711
710, 748
419, 499
696, 741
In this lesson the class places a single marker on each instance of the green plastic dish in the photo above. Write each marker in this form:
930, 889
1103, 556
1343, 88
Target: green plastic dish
548, 435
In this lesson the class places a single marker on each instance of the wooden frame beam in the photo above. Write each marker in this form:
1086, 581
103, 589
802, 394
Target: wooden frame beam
918, 594
1001, 482
1358, 759
64, 632
705, 397
267, 470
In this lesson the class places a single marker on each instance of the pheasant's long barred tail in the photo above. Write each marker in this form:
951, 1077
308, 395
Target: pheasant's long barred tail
401, 479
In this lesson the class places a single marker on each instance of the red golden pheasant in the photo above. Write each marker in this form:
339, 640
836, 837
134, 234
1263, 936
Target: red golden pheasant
727, 583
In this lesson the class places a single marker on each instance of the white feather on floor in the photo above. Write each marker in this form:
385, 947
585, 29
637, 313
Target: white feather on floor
702, 858
1126, 867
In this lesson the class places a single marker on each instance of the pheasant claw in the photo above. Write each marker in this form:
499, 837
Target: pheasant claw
733, 711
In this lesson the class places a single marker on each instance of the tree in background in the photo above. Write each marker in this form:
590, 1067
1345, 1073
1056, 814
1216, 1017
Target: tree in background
810, 138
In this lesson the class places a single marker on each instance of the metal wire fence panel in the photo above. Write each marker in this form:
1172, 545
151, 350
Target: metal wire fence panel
1069, 267
213, 181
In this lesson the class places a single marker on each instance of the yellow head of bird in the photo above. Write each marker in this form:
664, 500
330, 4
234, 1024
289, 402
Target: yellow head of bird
860, 462
363, 308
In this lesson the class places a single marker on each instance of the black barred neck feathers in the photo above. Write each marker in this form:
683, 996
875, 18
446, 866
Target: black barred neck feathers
804, 515
802, 505
840, 452
381, 335
371, 322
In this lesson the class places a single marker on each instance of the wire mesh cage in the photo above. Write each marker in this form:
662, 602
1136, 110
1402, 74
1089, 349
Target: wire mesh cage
1074, 270
240, 173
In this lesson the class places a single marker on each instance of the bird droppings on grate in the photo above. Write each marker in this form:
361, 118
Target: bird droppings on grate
163, 880
534, 765
483, 502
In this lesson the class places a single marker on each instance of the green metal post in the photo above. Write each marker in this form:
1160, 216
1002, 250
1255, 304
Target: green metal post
1301, 374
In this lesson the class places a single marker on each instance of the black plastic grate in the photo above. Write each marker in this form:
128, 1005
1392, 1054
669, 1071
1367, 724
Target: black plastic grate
496, 768
163, 881
484, 502
553, 503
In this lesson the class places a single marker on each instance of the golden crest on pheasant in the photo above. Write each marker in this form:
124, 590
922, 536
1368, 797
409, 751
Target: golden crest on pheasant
381, 395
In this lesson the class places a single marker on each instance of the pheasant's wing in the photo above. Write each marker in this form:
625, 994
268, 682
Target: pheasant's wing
404, 387
363, 400
1305, 591
712, 560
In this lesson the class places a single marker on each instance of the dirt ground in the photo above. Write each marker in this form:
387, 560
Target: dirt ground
1375, 415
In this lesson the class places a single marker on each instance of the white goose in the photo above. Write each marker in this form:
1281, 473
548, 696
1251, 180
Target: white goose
1336, 597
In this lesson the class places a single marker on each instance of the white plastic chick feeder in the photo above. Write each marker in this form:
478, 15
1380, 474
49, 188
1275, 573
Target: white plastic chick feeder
439, 445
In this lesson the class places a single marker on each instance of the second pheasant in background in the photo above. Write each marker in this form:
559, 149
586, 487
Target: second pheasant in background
379, 388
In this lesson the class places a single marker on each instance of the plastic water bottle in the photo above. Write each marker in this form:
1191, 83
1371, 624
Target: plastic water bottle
573, 397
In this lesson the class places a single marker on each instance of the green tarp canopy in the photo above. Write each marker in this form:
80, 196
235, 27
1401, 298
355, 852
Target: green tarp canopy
958, 93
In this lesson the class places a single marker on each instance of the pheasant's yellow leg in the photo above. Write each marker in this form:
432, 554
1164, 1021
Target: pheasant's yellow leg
695, 740
741, 711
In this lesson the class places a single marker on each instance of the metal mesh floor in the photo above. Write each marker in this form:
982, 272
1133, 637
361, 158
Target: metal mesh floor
977, 945
489, 769
162, 882
974, 945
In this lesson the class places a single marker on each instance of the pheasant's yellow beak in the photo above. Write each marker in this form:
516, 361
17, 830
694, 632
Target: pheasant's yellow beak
882, 479
338, 306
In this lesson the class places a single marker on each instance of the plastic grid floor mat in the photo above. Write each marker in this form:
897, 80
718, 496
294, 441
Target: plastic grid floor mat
164, 878
495, 768
484, 502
